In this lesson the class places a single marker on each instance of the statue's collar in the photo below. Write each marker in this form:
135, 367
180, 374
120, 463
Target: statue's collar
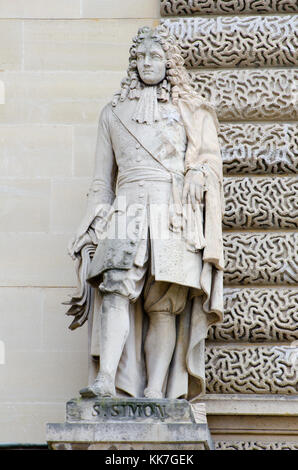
145, 134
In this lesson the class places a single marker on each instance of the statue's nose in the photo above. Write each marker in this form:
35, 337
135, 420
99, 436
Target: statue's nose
147, 61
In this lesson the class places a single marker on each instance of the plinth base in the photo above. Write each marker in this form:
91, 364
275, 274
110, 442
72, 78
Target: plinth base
131, 424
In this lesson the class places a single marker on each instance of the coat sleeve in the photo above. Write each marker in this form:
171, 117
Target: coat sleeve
203, 153
102, 190
203, 147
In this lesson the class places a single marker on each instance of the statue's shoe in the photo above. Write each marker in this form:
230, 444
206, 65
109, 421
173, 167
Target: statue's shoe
102, 387
149, 393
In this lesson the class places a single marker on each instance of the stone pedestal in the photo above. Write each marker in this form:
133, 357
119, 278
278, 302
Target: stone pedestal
131, 424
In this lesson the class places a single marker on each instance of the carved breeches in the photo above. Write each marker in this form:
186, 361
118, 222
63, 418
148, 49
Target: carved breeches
159, 296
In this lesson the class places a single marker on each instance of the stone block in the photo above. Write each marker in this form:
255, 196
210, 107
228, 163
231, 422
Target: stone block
260, 203
252, 405
29, 151
84, 150
107, 423
59, 97
250, 95
261, 258
68, 203
130, 410
42, 376
259, 147
252, 369
57, 86
36, 259
21, 319
11, 55
254, 428
255, 445
66, 112
24, 205
224, 7
125, 9
252, 41
258, 314
26, 422
40, 9
56, 335
79, 45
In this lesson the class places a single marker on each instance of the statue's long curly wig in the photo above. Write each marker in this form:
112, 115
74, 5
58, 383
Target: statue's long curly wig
177, 80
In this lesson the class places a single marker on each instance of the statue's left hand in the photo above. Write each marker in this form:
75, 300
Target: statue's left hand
77, 242
193, 189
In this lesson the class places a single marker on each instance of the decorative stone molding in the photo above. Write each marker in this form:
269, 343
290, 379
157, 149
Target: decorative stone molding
222, 7
253, 404
261, 258
254, 41
250, 445
259, 369
259, 148
250, 94
258, 313
261, 203
255, 314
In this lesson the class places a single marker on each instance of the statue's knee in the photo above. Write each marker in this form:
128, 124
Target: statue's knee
114, 301
171, 301
161, 317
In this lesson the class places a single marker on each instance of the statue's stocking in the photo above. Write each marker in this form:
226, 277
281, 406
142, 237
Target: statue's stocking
114, 327
159, 348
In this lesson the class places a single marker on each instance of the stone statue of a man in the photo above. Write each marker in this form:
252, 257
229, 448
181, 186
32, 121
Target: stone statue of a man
154, 212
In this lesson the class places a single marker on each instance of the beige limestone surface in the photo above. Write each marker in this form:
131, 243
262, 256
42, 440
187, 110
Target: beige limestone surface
71, 9
60, 61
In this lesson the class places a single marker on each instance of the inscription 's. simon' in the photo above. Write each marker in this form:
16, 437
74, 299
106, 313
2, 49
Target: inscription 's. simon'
131, 410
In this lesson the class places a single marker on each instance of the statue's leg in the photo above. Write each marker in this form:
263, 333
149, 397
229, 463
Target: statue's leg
114, 327
163, 301
119, 288
159, 348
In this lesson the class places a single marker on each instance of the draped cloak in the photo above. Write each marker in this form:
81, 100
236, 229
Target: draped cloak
119, 141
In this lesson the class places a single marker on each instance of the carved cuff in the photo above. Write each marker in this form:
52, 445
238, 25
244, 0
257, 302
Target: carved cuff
203, 168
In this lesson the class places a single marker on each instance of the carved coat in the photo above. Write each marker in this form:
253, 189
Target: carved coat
149, 163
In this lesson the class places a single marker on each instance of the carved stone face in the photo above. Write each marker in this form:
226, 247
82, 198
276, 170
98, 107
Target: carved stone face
151, 62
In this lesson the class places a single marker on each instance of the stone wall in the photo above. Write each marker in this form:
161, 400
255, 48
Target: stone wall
242, 56
60, 62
